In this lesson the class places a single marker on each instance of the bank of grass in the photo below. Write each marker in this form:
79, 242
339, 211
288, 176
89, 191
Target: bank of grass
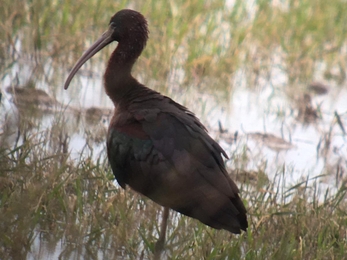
47, 198
46, 195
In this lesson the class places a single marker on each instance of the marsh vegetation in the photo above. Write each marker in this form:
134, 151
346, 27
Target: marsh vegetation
274, 72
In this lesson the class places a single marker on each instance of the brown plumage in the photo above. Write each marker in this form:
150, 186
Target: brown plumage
155, 145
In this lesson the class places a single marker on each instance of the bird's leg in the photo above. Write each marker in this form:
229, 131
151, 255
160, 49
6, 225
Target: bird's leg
159, 246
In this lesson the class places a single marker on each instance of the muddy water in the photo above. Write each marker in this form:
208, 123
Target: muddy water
316, 147
268, 118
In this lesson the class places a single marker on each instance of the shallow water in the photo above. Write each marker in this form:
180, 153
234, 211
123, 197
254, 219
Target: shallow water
265, 109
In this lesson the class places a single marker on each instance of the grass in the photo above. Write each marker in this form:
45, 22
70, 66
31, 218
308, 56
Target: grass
205, 39
71, 201
42, 194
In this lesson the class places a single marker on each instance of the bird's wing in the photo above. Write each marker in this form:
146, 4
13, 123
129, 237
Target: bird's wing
165, 153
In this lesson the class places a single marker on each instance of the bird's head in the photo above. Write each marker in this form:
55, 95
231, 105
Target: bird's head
126, 26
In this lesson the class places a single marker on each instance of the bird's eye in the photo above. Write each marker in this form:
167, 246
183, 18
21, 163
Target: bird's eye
112, 24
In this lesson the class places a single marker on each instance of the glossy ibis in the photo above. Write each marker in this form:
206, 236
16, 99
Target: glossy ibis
157, 146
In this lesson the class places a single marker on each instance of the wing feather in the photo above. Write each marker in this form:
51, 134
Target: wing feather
167, 155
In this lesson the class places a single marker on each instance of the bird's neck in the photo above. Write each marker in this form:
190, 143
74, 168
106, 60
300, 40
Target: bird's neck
118, 80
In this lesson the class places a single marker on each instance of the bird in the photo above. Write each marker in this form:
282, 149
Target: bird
156, 146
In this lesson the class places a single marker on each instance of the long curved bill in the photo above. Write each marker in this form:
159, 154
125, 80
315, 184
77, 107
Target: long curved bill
100, 43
